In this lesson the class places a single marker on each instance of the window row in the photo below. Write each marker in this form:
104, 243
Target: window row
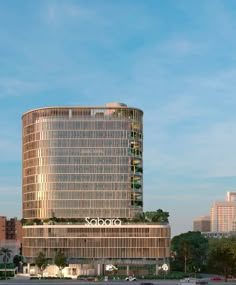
76, 143
86, 152
75, 169
128, 242
65, 134
75, 187
100, 252
76, 160
100, 232
82, 204
81, 125
45, 213
78, 195
46, 178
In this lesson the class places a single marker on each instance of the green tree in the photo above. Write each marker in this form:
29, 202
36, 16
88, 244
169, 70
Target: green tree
41, 261
60, 261
139, 218
18, 261
185, 252
158, 216
222, 256
23, 221
190, 250
6, 254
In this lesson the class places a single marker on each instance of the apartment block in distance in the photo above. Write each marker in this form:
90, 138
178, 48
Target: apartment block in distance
10, 234
222, 216
82, 188
10, 229
202, 224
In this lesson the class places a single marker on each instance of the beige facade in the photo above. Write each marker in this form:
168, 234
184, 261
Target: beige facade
83, 242
202, 224
222, 216
3, 220
83, 163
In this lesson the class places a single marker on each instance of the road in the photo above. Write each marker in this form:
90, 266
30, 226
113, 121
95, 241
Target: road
21, 281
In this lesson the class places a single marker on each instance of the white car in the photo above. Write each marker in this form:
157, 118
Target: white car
130, 278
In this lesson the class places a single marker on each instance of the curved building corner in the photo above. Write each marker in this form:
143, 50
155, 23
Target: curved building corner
83, 185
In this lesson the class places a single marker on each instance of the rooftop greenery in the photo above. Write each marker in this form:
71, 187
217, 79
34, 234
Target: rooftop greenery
149, 217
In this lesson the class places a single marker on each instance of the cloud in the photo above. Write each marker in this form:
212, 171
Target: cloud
57, 13
16, 87
182, 47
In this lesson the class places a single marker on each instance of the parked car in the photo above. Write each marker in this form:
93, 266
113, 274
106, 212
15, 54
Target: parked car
216, 278
130, 278
202, 282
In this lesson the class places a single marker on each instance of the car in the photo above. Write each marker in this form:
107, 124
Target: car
202, 282
216, 278
130, 278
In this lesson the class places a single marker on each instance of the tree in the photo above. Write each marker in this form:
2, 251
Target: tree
140, 217
23, 221
158, 216
185, 252
41, 261
60, 261
222, 256
190, 250
18, 261
6, 254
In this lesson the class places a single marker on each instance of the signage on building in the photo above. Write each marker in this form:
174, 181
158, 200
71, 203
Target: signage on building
102, 222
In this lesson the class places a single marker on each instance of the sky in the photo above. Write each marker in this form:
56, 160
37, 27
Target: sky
175, 60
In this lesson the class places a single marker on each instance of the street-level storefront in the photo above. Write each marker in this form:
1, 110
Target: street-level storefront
132, 248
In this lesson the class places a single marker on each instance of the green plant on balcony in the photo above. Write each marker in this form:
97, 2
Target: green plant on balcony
135, 185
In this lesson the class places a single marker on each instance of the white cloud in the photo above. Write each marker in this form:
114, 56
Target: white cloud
57, 13
16, 87
180, 47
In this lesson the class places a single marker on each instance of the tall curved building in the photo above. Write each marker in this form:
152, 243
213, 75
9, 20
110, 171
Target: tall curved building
82, 187
82, 162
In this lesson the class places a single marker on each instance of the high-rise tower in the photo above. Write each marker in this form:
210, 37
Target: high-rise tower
82, 162
83, 187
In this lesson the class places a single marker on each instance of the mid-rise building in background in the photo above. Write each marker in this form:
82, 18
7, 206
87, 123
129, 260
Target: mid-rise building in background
82, 188
10, 229
202, 224
10, 234
222, 218
231, 197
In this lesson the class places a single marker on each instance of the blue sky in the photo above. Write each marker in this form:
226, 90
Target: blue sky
175, 60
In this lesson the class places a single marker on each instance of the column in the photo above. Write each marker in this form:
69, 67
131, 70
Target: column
127, 270
98, 269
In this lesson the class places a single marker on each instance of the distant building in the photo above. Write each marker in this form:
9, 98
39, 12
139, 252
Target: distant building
202, 224
218, 235
222, 216
10, 229
2, 228
231, 197
10, 235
